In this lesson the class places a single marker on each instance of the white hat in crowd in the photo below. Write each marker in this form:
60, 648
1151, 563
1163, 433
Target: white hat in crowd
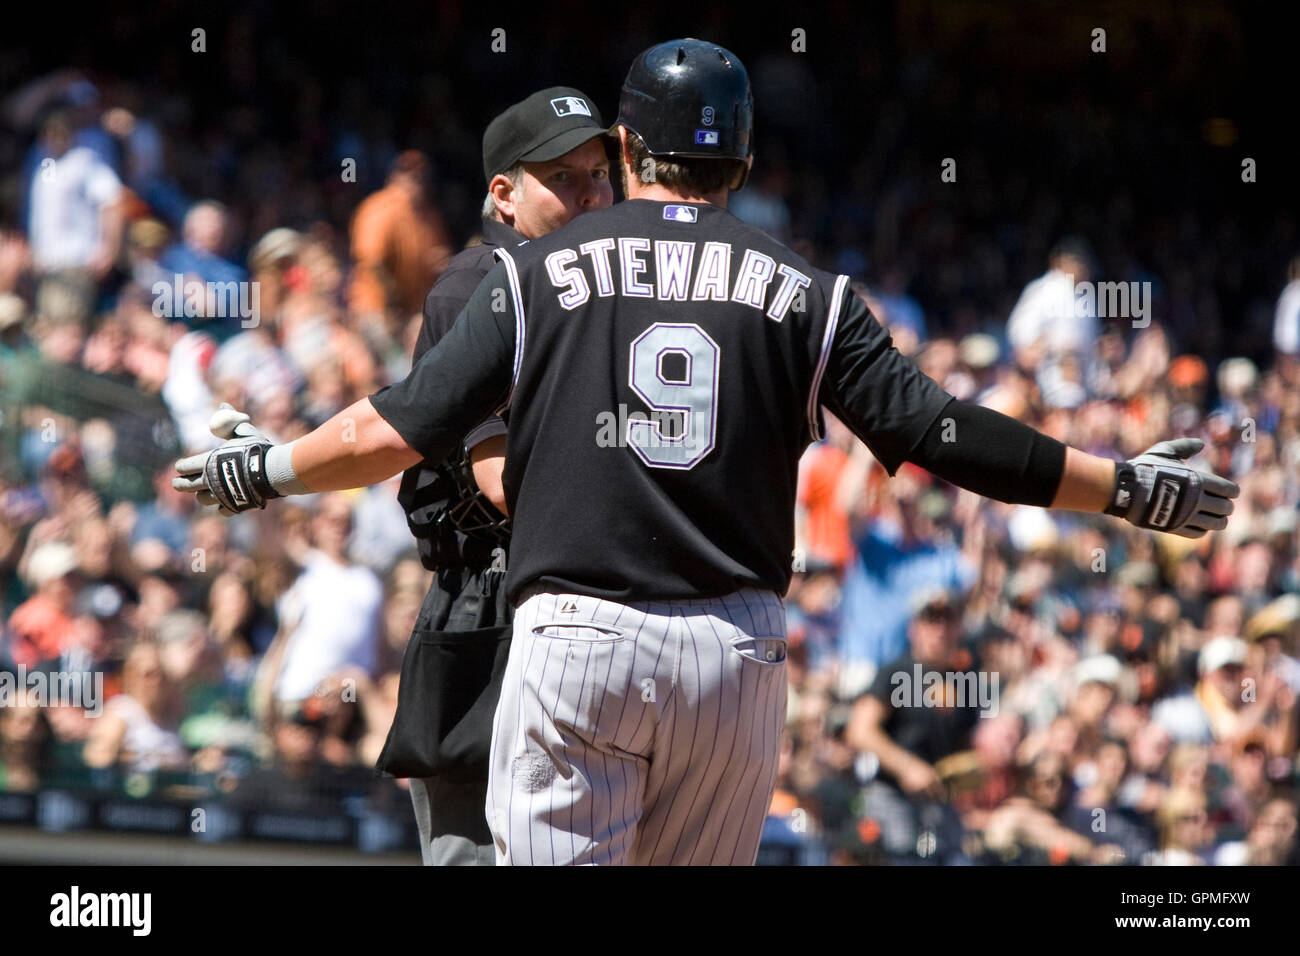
1220, 652
1100, 669
51, 561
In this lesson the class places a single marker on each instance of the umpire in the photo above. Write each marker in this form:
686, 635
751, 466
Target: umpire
546, 160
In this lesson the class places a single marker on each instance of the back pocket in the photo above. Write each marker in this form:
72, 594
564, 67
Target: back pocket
588, 632
760, 650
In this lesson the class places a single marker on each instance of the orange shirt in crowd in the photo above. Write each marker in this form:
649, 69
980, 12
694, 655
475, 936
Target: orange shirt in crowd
399, 250
826, 527
39, 630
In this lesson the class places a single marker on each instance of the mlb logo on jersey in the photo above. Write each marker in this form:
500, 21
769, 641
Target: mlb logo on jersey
681, 213
706, 137
570, 106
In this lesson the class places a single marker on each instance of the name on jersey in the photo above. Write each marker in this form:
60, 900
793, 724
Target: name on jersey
674, 270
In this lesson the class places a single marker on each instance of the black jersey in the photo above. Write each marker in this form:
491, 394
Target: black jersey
661, 367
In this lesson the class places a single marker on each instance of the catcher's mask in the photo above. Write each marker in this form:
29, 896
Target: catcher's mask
472, 513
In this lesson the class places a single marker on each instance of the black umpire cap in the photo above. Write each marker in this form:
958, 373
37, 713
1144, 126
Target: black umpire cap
543, 127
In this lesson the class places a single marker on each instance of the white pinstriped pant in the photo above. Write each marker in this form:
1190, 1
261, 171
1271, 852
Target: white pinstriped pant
643, 733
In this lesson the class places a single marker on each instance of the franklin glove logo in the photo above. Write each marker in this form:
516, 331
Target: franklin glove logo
230, 478
1166, 498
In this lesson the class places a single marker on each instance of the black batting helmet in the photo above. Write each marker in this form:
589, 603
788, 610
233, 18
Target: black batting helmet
690, 98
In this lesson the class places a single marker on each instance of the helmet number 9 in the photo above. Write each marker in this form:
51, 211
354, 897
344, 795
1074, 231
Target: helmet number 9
679, 431
706, 116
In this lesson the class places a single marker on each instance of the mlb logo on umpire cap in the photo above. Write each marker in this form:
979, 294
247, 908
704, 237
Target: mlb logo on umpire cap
570, 106
681, 213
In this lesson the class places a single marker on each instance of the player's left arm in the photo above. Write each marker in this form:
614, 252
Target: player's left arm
903, 415
452, 387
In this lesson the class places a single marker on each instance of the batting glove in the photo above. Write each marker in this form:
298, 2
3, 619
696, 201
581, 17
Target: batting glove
1157, 490
232, 476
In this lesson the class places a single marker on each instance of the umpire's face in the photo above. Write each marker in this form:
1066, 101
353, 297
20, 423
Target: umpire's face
550, 194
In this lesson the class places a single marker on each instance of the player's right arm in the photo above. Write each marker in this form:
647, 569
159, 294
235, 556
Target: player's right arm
903, 415
355, 448
453, 386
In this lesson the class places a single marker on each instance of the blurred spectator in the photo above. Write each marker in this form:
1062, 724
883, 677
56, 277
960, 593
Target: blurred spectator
1183, 830
1096, 681
250, 371
823, 525
762, 203
1030, 823
895, 309
320, 340
138, 727
24, 739
187, 392
1052, 331
381, 534
1098, 813
1223, 705
1286, 319
334, 606
14, 343
41, 627
906, 731
165, 520
1273, 629
237, 624
1271, 842
75, 205
273, 262
204, 239
399, 243
145, 241
900, 554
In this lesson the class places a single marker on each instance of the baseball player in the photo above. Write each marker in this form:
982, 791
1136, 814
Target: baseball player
662, 367
546, 160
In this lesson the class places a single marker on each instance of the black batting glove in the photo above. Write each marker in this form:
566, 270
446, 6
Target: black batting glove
233, 476
1158, 490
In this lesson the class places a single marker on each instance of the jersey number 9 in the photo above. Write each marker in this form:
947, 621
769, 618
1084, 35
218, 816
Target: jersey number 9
683, 398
